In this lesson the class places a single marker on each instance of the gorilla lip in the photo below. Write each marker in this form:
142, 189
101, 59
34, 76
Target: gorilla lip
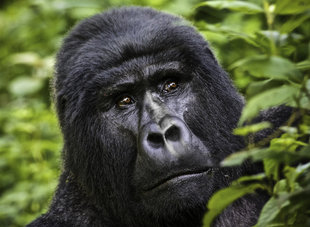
189, 173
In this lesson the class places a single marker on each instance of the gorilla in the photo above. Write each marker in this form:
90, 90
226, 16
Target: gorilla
147, 114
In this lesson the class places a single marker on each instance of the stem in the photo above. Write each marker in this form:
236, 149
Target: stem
270, 16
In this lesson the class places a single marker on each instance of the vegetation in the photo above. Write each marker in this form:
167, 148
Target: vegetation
264, 45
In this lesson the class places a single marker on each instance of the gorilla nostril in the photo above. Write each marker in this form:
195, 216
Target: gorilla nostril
155, 140
173, 133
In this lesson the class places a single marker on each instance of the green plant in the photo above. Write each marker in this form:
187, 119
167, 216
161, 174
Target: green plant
265, 45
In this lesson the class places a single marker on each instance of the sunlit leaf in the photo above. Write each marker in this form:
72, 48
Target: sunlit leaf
256, 177
63, 5
289, 130
245, 130
257, 87
271, 209
241, 6
273, 97
259, 154
230, 33
294, 22
27, 58
304, 65
271, 168
292, 7
280, 186
239, 157
268, 67
25, 86
308, 85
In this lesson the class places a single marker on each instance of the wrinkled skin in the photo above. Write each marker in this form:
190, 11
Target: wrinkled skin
147, 114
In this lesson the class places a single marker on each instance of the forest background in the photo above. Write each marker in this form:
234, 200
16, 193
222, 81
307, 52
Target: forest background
263, 44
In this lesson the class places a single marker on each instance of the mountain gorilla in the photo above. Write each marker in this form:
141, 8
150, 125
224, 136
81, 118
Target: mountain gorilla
147, 114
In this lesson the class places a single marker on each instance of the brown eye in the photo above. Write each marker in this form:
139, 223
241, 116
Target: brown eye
170, 86
126, 100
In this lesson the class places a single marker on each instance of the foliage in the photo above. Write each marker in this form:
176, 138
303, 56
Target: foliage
28, 163
265, 45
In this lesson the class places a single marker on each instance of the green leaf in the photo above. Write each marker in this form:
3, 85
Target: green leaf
256, 177
25, 86
271, 168
271, 209
292, 7
257, 154
257, 87
267, 40
239, 157
280, 187
273, 97
286, 144
221, 199
243, 131
304, 103
294, 22
229, 33
27, 58
240, 6
303, 167
303, 65
289, 130
286, 209
292, 174
308, 85
71, 4
263, 66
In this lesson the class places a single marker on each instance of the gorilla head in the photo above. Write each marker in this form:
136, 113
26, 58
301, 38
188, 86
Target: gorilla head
147, 114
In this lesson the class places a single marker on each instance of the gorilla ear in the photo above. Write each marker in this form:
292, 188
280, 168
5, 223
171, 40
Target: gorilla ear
61, 103
209, 52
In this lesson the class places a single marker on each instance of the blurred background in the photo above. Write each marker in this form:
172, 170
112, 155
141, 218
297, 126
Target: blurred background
264, 45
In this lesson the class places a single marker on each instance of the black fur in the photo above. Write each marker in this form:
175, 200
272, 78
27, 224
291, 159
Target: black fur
115, 166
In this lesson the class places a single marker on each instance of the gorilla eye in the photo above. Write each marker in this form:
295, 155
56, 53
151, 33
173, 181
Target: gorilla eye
170, 86
124, 101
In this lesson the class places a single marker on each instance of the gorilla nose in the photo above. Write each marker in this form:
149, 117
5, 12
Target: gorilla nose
158, 138
155, 140
173, 133
170, 137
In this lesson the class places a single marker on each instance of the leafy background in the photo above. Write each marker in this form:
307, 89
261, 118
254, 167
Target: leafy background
263, 44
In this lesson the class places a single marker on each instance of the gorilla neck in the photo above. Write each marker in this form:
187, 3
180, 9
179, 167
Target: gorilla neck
82, 211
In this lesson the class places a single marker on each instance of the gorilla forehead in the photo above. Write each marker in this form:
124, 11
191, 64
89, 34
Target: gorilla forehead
103, 42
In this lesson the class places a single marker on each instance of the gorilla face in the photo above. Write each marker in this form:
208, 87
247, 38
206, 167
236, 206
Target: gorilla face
147, 114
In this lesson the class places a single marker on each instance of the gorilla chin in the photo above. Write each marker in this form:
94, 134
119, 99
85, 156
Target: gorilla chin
147, 114
180, 189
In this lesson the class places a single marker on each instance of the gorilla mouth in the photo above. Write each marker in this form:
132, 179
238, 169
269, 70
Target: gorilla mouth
188, 173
